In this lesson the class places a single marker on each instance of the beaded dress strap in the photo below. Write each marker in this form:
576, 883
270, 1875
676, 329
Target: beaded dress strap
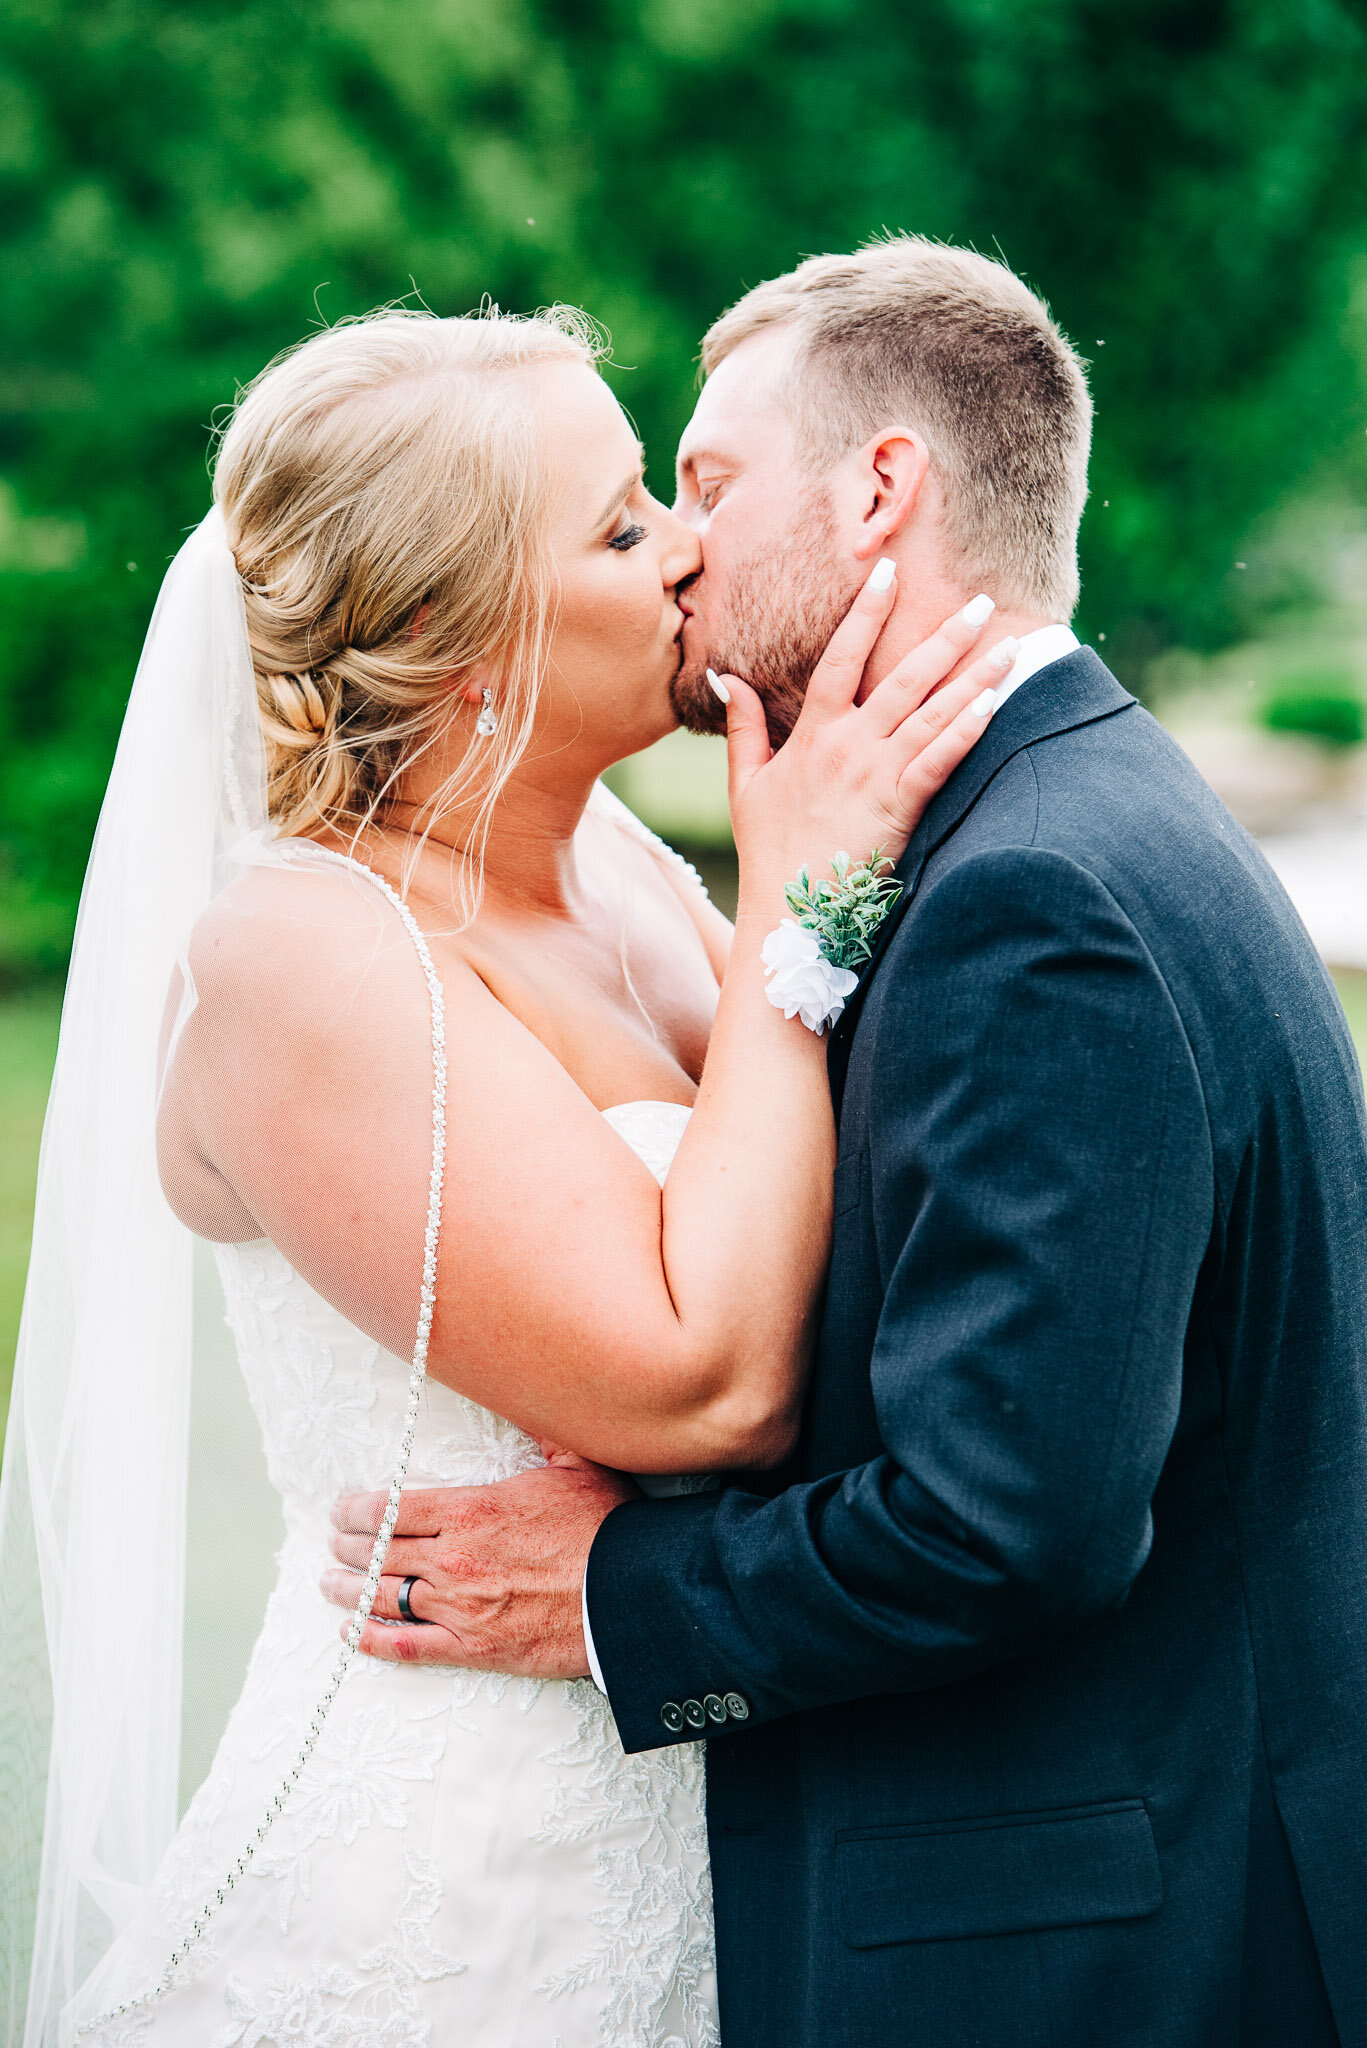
298, 852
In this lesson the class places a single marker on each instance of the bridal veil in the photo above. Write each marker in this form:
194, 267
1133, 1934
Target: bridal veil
94, 1491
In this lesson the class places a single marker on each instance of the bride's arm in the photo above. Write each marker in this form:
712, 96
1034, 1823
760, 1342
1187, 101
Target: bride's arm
649, 1330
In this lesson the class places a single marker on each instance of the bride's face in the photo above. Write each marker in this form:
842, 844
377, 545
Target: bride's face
620, 556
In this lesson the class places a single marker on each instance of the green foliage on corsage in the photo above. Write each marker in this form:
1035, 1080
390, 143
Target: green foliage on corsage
845, 914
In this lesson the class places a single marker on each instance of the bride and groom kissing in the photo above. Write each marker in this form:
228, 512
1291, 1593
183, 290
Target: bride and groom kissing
1009, 1338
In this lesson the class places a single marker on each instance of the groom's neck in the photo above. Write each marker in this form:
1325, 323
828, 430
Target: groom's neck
925, 600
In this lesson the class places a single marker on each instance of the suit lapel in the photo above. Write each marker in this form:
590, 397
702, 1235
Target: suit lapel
1076, 690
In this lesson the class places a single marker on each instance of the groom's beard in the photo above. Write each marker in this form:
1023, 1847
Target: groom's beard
772, 625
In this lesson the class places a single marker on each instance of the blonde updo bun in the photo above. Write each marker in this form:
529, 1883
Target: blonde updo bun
384, 495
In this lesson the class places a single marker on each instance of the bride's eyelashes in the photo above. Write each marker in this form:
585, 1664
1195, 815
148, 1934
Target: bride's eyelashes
629, 537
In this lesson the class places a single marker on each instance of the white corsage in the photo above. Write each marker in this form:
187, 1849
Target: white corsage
800, 980
810, 961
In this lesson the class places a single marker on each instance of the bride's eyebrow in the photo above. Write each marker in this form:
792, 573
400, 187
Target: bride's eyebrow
619, 497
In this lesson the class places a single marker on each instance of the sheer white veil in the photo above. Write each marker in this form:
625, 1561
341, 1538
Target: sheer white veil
93, 1494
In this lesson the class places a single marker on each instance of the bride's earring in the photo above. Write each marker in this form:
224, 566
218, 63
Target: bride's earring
486, 725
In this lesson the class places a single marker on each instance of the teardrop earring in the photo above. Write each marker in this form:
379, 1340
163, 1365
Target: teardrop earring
486, 725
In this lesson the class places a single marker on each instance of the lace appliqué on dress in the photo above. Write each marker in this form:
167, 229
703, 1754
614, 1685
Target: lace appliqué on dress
654, 1949
316, 1411
377, 2006
358, 1780
424, 1780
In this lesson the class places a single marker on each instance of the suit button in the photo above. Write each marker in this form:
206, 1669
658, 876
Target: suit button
714, 1706
737, 1706
695, 1713
671, 1713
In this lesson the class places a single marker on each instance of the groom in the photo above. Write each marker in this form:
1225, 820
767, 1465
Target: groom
1035, 1687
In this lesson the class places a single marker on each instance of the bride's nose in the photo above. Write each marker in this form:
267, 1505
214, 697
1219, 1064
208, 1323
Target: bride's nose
681, 554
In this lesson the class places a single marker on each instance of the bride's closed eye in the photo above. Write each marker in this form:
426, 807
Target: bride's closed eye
629, 537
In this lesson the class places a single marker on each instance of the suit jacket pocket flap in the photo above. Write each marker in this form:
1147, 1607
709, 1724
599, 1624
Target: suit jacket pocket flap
942, 1880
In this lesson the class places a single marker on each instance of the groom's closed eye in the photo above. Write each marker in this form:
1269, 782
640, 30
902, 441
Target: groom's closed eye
701, 479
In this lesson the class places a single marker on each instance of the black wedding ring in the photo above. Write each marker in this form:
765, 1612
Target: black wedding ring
404, 1609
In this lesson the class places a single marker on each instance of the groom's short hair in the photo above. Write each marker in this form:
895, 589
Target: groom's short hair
909, 332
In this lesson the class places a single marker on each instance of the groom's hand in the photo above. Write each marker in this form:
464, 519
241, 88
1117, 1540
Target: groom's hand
498, 1571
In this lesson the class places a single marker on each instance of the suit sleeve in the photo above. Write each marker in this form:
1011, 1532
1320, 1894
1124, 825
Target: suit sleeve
1041, 1183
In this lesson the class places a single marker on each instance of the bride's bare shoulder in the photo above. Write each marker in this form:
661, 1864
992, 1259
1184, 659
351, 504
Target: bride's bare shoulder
309, 942
276, 917
296, 975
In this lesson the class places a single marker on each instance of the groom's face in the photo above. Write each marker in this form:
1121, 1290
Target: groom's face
775, 582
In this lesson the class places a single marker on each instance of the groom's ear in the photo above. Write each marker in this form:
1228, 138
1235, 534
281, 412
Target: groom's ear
890, 476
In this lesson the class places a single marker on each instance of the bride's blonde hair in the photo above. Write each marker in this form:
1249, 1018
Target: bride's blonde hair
385, 498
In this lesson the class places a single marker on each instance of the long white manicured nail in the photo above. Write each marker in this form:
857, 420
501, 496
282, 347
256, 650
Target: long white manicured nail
883, 572
719, 688
978, 610
1003, 655
984, 706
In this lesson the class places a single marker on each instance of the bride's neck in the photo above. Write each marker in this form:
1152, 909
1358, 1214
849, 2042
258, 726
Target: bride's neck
529, 858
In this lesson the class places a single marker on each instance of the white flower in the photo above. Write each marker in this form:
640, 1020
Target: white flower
801, 981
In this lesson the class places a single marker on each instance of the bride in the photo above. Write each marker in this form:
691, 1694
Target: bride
442, 1017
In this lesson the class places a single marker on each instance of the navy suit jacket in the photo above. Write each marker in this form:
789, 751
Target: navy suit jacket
1048, 1651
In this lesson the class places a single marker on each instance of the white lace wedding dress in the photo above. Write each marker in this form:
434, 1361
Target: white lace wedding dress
468, 1860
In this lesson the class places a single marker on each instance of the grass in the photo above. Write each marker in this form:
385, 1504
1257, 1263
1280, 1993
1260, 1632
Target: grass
28, 1041
1351, 984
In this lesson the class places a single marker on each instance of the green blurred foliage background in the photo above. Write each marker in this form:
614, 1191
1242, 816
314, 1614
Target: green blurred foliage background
184, 190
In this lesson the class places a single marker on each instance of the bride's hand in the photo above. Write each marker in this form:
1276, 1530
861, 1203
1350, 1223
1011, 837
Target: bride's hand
854, 776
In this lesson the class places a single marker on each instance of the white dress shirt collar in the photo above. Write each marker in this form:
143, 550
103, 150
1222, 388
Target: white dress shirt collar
1038, 649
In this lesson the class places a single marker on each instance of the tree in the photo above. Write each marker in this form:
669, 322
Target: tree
185, 191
